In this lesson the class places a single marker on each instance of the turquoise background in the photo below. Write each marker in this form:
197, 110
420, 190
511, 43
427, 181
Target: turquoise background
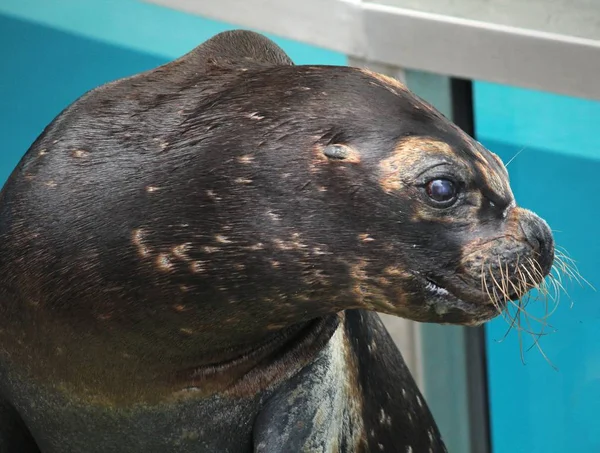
535, 408
54, 51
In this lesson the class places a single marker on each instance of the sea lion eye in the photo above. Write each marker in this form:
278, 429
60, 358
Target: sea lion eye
441, 190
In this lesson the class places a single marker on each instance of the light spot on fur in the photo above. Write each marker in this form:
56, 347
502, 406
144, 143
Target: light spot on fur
222, 239
164, 145
179, 308
255, 116
282, 245
257, 246
420, 401
50, 184
137, 238
273, 216
163, 262
151, 189
243, 181
180, 251
275, 264
246, 159
384, 419
186, 330
391, 84
322, 188
408, 153
396, 271
212, 195
383, 281
403, 393
409, 449
372, 346
239, 266
197, 267
364, 237
42, 152
79, 153
209, 249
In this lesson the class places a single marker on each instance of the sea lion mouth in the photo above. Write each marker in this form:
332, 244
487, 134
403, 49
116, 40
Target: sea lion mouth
446, 300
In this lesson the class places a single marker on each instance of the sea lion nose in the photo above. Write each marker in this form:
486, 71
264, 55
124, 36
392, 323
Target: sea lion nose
538, 234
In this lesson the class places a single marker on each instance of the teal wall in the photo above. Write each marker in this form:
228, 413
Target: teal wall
535, 408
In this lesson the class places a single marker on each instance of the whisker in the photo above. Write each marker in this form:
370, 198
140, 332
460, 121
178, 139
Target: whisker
487, 291
570, 267
515, 156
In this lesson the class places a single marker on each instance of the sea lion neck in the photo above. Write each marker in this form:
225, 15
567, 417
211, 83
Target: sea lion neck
118, 367
278, 356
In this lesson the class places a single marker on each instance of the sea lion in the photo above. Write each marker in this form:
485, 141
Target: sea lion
191, 259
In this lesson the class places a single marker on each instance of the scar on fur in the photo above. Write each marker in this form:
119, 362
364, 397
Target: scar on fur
341, 153
344, 153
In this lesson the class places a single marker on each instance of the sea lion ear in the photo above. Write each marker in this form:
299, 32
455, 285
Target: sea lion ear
238, 48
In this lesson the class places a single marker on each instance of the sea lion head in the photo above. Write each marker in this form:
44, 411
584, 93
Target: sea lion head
419, 217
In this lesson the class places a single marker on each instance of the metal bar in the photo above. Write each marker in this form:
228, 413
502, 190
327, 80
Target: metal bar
330, 24
482, 51
423, 41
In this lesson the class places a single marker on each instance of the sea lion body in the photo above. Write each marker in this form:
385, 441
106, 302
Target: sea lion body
318, 409
190, 259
